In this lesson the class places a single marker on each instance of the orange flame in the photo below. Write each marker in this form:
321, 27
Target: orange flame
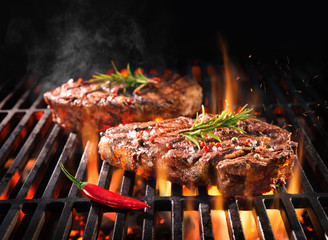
191, 225
90, 135
219, 224
230, 85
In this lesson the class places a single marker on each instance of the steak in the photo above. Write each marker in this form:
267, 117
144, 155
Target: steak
242, 164
93, 103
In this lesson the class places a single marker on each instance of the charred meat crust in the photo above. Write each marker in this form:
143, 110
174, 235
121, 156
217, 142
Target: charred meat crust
252, 166
76, 104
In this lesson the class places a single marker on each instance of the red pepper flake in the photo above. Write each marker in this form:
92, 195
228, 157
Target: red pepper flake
83, 95
129, 100
79, 80
228, 144
206, 148
114, 94
137, 91
218, 145
156, 79
139, 135
203, 144
168, 145
158, 124
151, 140
212, 144
247, 142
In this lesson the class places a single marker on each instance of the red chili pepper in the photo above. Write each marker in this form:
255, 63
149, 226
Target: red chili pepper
103, 196
129, 100
203, 144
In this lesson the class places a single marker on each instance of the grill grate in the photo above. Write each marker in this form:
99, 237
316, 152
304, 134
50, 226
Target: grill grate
36, 199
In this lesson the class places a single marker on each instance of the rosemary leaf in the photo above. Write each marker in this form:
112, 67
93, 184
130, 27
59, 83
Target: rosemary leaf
202, 128
138, 80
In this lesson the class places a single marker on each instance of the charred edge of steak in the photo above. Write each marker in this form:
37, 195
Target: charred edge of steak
75, 104
252, 166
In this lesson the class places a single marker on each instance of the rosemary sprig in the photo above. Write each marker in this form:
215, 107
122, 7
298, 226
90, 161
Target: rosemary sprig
202, 128
138, 80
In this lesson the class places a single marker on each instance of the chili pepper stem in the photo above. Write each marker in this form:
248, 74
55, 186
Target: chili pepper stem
78, 183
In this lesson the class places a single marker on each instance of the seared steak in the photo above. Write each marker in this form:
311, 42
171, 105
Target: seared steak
244, 164
95, 104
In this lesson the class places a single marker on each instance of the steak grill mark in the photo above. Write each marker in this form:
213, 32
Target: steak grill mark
37, 200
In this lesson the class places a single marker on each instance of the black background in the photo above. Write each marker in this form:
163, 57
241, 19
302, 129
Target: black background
59, 39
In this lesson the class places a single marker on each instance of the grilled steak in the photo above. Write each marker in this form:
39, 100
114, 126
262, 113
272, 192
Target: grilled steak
75, 104
242, 164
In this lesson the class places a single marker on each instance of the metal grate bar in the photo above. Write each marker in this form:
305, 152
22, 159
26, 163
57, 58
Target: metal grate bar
148, 222
8, 145
38, 218
65, 220
233, 219
287, 210
176, 218
12, 216
24, 152
262, 220
9, 222
316, 212
42, 160
91, 228
121, 217
12, 93
206, 228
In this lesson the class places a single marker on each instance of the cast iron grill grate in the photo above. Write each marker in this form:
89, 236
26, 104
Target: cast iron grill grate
37, 201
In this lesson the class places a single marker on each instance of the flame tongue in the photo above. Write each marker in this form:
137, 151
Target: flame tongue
90, 135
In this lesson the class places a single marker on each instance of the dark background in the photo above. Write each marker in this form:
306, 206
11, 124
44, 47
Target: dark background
56, 40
